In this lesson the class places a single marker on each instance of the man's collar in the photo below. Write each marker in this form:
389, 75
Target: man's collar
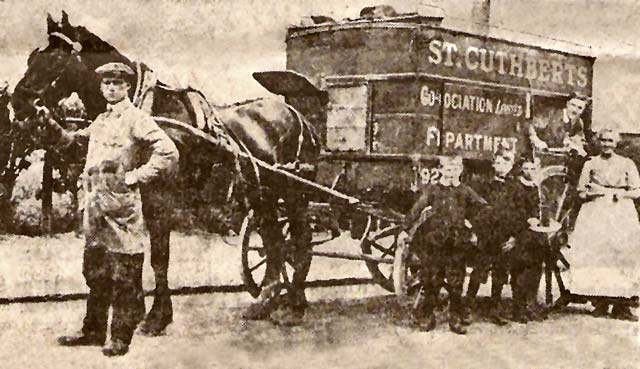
454, 183
119, 107
607, 157
499, 179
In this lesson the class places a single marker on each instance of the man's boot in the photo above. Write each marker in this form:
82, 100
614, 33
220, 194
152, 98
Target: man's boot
494, 314
534, 315
424, 323
80, 340
422, 317
455, 325
115, 348
519, 315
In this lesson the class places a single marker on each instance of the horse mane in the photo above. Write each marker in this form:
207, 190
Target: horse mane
95, 43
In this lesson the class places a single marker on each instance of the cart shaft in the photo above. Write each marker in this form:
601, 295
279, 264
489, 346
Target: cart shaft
350, 256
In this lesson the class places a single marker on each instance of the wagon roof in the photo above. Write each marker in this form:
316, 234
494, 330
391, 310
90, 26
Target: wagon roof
406, 23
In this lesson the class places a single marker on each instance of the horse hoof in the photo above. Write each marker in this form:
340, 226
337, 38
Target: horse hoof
153, 328
287, 317
257, 311
151, 332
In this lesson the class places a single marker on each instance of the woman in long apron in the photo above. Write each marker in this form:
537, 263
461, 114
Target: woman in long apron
605, 245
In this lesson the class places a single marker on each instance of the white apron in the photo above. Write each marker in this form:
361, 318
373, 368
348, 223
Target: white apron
605, 244
605, 249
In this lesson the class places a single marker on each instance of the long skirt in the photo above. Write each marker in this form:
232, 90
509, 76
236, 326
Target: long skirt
605, 249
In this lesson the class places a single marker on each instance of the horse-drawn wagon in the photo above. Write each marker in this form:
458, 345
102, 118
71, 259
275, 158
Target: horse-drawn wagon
371, 104
388, 95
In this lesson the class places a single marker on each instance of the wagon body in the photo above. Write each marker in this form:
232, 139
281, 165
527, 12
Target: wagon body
396, 92
388, 95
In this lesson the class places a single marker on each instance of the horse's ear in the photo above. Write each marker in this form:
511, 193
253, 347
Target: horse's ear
65, 19
52, 26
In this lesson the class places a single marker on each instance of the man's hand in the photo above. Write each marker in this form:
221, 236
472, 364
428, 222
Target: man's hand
575, 143
595, 190
130, 179
46, 122
538, 144
509, 245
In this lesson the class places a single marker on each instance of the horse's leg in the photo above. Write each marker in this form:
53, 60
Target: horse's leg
159, 226
300, 260
301, 237
270, 231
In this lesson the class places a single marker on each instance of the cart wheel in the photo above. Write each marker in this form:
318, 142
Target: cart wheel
380, 240
254, 258
254, 255
405, 275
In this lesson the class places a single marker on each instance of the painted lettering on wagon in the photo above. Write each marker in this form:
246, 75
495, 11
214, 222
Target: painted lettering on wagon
518, 64
468, 141
468, 102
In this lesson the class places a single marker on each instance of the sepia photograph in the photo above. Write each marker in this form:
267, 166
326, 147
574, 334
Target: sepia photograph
338, 184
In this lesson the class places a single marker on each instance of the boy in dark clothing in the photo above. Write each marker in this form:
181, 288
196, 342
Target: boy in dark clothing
442, 235
489, 256
524, 247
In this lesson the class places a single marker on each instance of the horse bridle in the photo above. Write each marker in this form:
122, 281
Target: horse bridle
38, 105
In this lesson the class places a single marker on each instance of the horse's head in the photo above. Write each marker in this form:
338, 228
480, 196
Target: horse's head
52, 73
64, 66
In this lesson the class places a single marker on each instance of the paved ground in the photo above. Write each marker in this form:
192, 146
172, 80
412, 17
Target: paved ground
346, 327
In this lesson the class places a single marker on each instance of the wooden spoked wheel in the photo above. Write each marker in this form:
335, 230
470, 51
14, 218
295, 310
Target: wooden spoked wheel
255, 256
406, 271
379, 240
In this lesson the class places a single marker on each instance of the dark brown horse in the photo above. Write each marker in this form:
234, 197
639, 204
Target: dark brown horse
216, 145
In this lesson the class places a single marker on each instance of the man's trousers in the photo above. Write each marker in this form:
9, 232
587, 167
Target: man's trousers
115, 280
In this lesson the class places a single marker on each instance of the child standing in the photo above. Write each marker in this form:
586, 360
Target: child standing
440, 235
489, 256
525, 248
